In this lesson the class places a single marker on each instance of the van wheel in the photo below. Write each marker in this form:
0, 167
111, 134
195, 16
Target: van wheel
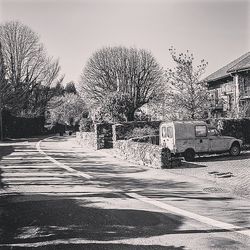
189, 155
235, 149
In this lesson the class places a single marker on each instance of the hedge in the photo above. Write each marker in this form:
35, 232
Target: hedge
238, 128
16, 127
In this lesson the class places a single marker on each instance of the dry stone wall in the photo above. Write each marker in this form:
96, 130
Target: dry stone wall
142, 153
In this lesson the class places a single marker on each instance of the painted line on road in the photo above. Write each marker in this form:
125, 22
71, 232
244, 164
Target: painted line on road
197, 217
61, 165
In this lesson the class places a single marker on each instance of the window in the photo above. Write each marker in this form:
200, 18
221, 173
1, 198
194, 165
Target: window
170, 132
163, 132
201, 131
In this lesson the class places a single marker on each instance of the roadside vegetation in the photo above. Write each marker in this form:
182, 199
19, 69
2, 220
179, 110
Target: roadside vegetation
117, 84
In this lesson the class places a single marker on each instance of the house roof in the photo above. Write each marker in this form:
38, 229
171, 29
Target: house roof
241, 63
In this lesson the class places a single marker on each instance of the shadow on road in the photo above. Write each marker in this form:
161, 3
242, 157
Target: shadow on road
106, 246
4, 150
43, 218
159, 188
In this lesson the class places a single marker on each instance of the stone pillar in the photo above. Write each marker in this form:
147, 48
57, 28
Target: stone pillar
96, 137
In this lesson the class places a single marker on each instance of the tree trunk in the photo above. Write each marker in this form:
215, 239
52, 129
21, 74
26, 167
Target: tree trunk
1, 125
131, 116
193, 115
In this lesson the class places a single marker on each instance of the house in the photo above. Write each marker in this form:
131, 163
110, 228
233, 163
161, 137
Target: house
230, 89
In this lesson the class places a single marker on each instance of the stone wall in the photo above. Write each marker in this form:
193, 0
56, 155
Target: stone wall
104, 135
100, 138
142, 153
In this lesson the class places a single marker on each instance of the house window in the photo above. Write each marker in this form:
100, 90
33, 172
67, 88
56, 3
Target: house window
200, 131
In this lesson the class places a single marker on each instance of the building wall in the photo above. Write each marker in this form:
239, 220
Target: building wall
227, 96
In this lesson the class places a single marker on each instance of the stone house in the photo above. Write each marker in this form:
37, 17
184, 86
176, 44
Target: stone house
230, 89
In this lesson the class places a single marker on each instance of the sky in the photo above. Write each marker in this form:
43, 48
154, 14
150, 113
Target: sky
72, 30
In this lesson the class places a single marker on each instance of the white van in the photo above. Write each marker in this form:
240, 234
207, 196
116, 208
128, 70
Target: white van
188, 138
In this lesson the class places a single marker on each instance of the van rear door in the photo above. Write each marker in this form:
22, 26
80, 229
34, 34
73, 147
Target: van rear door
168, 136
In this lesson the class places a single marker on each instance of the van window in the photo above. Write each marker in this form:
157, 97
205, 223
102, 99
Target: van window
201, 131
163, 132
170, 132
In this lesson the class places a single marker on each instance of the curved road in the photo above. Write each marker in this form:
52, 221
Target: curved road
58, 195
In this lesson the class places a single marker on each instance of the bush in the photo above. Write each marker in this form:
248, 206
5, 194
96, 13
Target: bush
86, 125
238, 128
139, 132
141, 116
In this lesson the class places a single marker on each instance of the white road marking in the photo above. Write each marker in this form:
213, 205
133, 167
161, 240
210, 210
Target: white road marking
197, 217
61, 165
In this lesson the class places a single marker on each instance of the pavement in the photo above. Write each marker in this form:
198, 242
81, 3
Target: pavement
58, 195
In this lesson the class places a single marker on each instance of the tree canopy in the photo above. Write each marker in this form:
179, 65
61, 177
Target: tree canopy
185, 93
130, 71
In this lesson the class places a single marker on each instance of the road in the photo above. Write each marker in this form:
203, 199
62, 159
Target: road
58, 195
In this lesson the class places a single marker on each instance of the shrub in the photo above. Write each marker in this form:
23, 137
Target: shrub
139, 132
86, 125
141, 116
239, 128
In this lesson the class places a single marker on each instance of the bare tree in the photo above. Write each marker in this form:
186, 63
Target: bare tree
67, 109
185, 92
26, 61
123, 70
4, 90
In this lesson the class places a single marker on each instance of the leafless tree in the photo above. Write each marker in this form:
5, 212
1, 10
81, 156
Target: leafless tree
67, 109
4, 90
186, 94
26, 61
123, 70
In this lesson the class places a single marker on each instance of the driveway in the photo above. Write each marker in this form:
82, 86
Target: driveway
227, 172
58, 195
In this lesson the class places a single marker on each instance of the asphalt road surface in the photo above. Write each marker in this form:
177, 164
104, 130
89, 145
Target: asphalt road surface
56, 195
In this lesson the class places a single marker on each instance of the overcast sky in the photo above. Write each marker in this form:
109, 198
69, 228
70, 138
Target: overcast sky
72, 30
